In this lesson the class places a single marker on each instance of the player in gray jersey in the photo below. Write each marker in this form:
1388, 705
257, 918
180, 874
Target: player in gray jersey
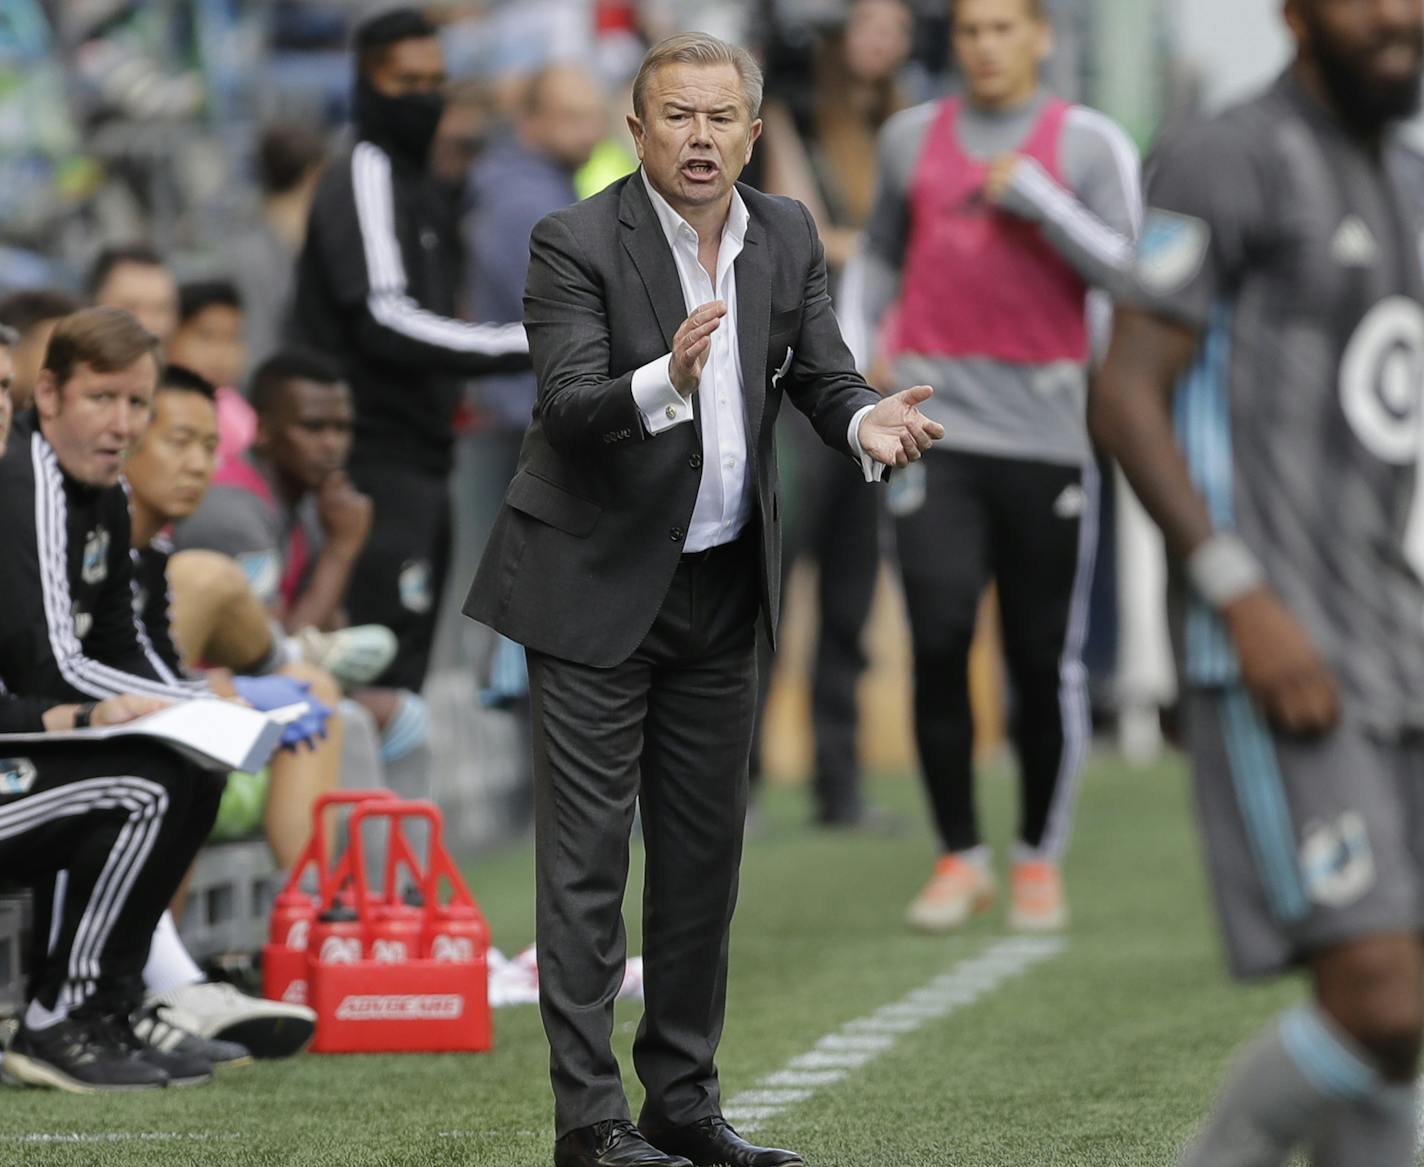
1276, 324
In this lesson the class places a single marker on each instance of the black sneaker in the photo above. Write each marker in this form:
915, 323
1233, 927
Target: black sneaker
81, 1055
156, 1033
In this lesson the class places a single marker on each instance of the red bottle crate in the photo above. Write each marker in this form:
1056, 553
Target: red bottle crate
420, 981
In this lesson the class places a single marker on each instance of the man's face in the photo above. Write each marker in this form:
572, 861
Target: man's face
571, 120
1369, 54
7, 384
172, 465
1000, 45
211, 342
695, 134
309, 433
878, 38
94, 419
410, 67
146, 291
29, 357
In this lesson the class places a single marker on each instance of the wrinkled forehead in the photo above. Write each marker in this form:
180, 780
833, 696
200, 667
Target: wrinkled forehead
701, 88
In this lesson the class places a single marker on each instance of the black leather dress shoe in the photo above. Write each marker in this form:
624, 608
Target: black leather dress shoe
614, 1143
710, 1142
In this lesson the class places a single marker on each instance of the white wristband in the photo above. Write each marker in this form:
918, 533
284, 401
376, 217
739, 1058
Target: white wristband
1223, 569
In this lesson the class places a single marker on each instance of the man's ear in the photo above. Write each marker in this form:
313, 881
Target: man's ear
47, 395
635, 127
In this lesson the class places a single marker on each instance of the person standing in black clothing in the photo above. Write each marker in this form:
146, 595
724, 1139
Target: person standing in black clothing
376, 286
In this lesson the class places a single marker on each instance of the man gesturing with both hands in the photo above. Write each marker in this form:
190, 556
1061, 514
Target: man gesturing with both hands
638, 547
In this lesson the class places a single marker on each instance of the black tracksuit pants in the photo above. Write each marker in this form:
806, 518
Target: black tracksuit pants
102, 832
1032, 528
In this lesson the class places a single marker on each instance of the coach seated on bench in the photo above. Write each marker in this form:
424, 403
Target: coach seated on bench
68, 633
72, 815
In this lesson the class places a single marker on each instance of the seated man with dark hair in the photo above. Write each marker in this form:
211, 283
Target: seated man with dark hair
290, 516
168, 473
33, 315
133, 276
211, 340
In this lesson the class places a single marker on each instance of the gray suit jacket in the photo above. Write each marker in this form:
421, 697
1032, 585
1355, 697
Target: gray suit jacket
592, 526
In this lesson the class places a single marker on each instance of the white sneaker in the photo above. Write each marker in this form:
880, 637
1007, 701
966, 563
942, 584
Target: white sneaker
354, 656
269, 1029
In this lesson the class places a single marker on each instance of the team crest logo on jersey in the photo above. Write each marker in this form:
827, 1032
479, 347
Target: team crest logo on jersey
1170, 251
1381, 375
415, 591
17, 776
95, 568
1337, 861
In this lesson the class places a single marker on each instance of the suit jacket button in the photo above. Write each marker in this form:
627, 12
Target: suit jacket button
695, 461
677, 534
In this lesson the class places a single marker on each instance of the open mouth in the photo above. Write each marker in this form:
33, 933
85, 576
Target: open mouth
700, 170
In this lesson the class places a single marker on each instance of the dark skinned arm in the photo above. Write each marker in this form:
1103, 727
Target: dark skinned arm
1130, 415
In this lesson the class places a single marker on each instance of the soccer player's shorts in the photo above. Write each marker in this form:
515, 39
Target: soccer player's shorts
1310, 841
399, 579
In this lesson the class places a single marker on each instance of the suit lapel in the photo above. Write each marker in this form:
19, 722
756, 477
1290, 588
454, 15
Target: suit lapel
753, 269
644, 239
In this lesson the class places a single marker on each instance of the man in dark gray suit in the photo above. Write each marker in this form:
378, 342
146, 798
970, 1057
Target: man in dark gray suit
637, 547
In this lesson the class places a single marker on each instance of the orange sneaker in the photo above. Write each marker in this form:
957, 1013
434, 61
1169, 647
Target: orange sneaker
956, 891
1038, 903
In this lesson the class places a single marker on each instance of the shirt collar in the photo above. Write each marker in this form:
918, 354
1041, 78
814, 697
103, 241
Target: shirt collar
675, 226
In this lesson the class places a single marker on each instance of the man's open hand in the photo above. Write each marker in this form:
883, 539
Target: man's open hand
692, 343
895, 432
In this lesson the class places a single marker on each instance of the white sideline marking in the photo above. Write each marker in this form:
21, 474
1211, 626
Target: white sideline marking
123, 1137
859, 1042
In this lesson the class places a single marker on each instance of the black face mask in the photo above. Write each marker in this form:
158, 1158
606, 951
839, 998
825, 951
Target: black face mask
403, 125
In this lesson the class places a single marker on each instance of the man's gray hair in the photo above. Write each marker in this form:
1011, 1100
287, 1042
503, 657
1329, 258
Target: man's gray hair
700, 48
9, 338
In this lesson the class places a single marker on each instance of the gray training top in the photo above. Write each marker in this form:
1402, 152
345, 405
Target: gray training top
1295, 248
989, 406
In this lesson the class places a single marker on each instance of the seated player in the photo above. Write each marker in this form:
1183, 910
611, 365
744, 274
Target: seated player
290, 516
133, 277
33, 315
98, 809
211, 340
168, 473
69, 633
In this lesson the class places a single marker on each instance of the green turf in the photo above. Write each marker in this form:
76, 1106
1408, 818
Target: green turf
1104, 1055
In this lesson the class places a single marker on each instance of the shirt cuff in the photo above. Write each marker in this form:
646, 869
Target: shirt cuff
1032, 193
657, 399
874, 471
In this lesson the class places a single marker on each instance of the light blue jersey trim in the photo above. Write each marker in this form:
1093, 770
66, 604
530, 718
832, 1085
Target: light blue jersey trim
1260, 793
1331, 1068
1202, 415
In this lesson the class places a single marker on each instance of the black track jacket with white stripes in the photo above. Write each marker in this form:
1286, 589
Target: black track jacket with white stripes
375, 291
67, 627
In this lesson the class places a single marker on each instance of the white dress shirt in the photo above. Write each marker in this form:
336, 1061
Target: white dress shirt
724, 497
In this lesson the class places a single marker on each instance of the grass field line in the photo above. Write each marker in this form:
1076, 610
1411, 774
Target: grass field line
859, 1042
49, 1137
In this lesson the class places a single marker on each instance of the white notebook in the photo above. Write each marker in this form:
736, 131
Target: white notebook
220, 735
